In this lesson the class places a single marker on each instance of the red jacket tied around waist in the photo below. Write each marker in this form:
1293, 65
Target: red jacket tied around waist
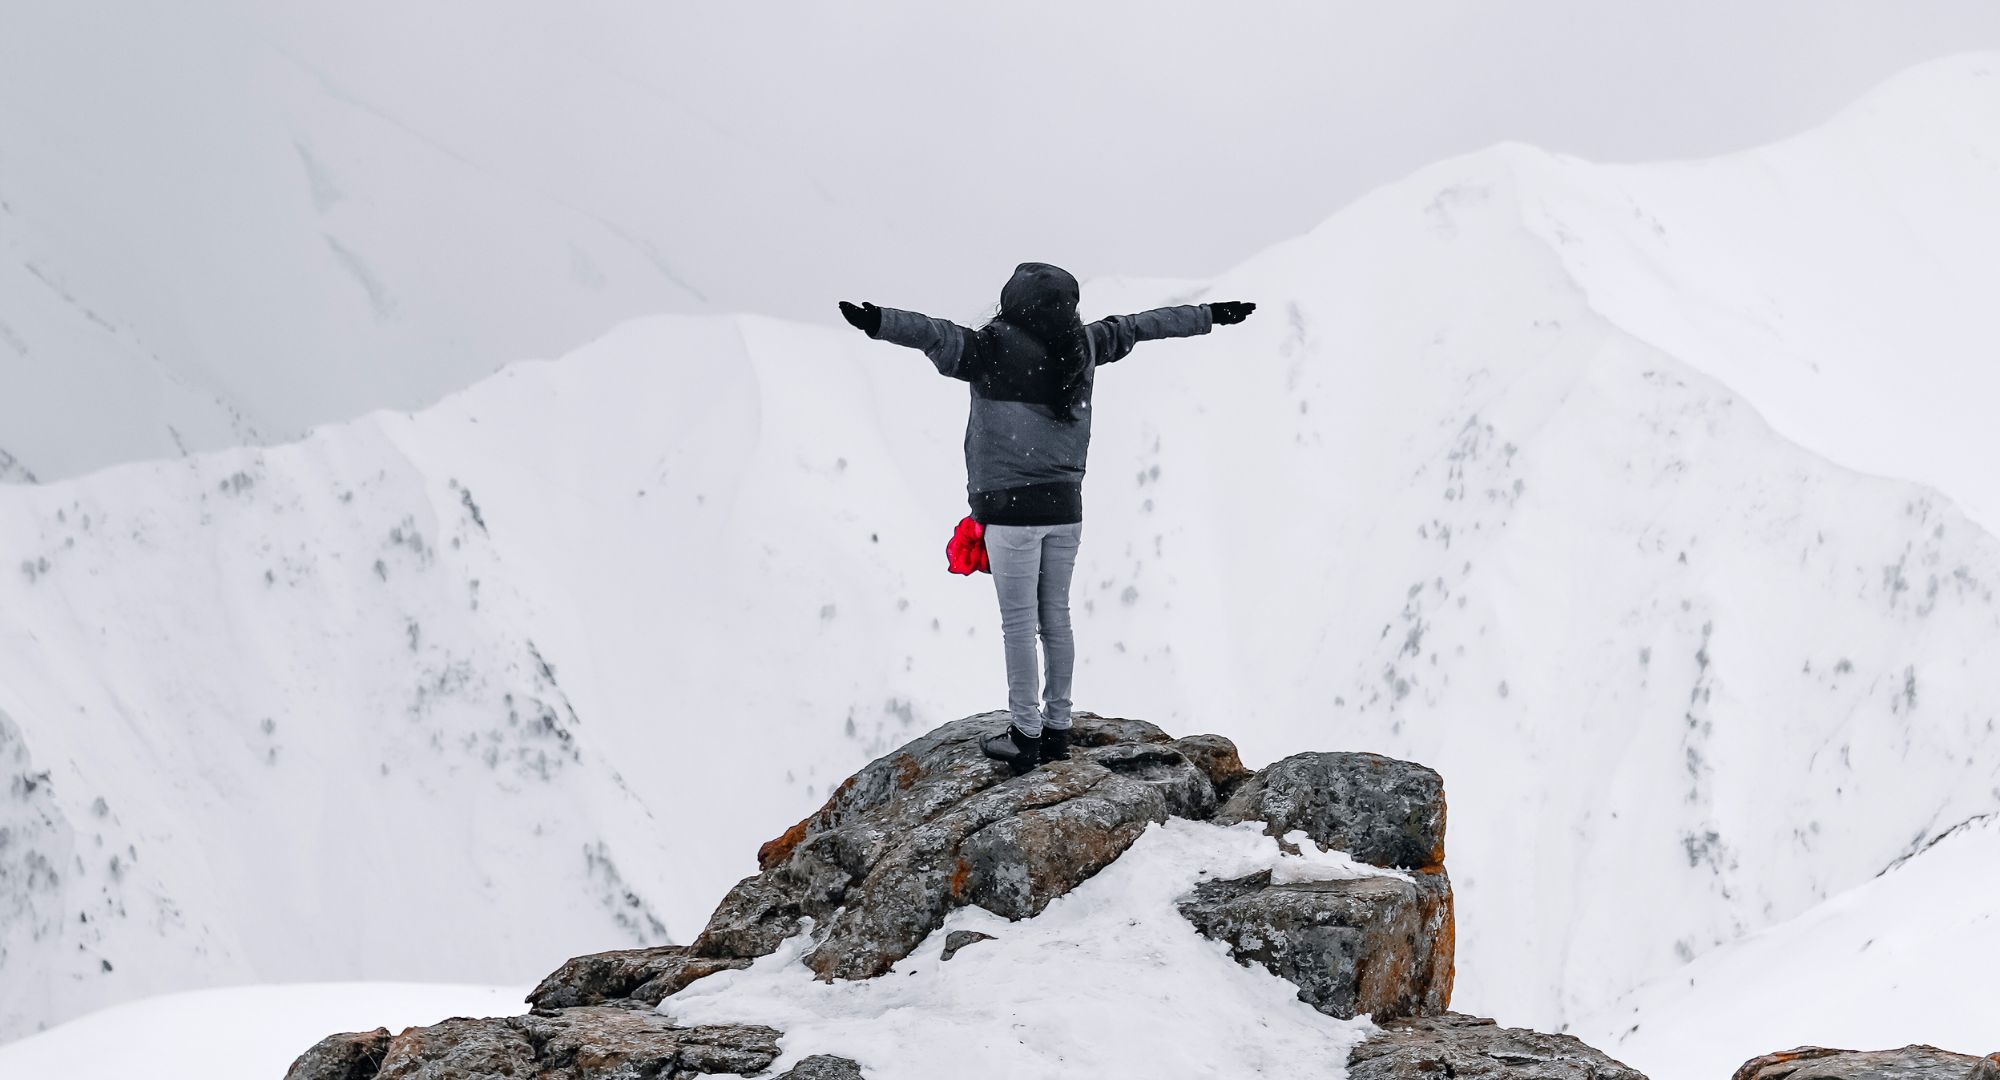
965, 553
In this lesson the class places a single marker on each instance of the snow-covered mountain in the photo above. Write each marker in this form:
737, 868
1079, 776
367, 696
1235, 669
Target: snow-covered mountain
1919, 939
1540, 472
209, 239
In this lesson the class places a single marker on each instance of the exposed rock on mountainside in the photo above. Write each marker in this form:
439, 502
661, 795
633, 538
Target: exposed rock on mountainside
935, 826
931, 827
1377, 809
1908, 1063
1380, 945
350, 1055
645, 975
600, 1041
1470, 1048
824, 1067
917, 833
1376, 945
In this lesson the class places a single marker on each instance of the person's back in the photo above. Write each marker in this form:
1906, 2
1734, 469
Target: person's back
1032, 370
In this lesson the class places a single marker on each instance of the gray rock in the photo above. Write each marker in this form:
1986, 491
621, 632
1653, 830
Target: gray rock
350, 1055
600, 1042
936, 825
824, 1067
1377, 809
959, 939
647, 975
1909, 1063
1469, 1048
1216, 757
1376, 945
459, 1047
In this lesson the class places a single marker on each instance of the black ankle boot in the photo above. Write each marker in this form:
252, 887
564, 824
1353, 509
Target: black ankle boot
1019, 750
1055, 744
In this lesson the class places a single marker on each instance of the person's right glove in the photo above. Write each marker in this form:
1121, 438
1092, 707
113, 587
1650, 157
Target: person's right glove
1230, 312
866, 318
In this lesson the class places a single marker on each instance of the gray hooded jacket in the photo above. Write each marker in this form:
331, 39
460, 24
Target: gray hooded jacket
1028, 433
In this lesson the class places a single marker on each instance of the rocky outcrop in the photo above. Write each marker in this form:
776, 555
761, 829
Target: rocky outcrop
1216, 757
1376, 945
824, 1067
645, 975
1379, 945
1909, 1063
927, 829
936, 826
605, 1042
350, 1055
959, 939
1377, 809
1469, 1048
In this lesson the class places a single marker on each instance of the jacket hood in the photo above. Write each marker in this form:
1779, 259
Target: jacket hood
1040, 300
1042, 292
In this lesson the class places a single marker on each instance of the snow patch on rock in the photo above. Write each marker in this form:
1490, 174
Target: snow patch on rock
1109, 981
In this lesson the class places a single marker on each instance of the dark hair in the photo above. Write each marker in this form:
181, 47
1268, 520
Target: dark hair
1060, 333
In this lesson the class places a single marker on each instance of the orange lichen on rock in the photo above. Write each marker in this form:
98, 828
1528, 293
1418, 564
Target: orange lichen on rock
1753, 1068
776, 851
1445, 976
1437, 850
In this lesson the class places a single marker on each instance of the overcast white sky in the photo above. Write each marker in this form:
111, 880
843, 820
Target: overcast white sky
912, 151
784, 153
280, 214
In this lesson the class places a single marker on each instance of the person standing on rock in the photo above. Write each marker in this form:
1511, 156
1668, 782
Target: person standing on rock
1031, 368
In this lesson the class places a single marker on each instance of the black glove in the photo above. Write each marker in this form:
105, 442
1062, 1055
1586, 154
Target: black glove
1230, 312
867, 318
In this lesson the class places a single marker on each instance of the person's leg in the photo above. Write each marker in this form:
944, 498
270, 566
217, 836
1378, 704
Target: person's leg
1052, 603
1014, 552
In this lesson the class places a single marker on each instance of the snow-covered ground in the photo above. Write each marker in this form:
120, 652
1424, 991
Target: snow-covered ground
239, 1033
1500, 478
1905, 958
1110, 981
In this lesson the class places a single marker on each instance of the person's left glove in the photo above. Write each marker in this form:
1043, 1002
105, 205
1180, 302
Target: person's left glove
866, 318
1229, 312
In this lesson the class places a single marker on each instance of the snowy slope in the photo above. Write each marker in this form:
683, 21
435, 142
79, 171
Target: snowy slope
243, 1033
552, 657
259, 724
1842, 282
466, 688
1924, 934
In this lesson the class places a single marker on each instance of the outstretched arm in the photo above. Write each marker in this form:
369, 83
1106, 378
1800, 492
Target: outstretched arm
1115, 336
952, 348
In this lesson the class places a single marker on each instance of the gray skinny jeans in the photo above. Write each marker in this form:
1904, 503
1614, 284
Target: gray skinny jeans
1032, 566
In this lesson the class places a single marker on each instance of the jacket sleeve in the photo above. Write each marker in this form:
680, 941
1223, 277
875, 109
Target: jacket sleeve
1115, 336
953, 349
